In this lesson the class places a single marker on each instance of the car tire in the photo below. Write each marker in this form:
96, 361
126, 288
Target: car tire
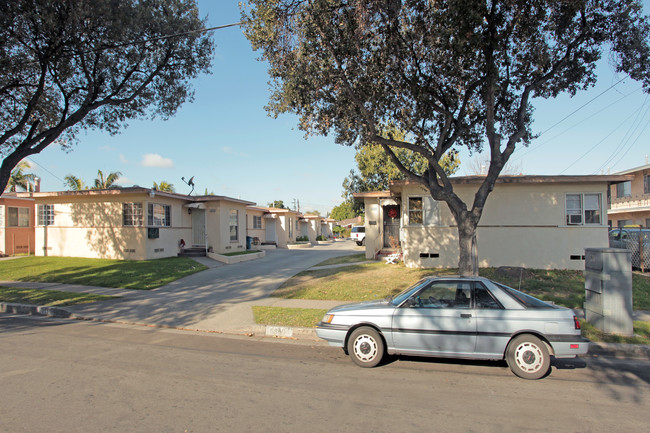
528, 357
366, 347
363, 242
359, 243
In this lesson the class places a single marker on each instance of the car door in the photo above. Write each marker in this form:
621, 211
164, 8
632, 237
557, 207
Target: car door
436, 320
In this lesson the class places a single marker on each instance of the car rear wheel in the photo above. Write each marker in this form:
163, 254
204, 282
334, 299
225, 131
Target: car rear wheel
528, 357
366, 347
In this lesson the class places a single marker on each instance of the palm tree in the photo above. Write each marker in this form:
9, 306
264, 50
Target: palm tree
163, 186
108, 182
74, 183
20, 179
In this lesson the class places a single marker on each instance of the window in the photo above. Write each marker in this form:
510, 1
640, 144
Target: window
234, 225
17, 217
257, 222
484, 299
647, 223
623, 223
624, 189
45, 214
159, 215
583, 209
445, 294
132, 214
646, 183
290, 228
416, 210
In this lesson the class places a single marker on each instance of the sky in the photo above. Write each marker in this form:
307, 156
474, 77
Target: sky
228, 143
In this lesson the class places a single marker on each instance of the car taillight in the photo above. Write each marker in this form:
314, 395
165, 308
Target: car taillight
577, 322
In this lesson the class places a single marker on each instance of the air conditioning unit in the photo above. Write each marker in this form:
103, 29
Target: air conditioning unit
575, 219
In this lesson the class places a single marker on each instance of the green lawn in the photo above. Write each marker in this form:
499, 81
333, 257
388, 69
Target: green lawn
50, 298
143, 275
294, 317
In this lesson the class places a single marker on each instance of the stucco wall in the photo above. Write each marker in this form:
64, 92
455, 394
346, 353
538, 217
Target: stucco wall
522, 225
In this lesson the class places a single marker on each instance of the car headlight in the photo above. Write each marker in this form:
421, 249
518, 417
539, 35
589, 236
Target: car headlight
328, 318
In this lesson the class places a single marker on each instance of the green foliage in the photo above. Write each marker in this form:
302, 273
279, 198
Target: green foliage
145, 274
343, 211
73, 183
448, 74
164, 186
51, 298
278, 204
20, 179
294, 317
302, 238
102, 182
67, 66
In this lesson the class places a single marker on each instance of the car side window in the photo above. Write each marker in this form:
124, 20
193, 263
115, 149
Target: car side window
614, 234
445, 294
483, 299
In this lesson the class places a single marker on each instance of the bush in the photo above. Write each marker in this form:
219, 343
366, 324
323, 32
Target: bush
321, 238
302, 239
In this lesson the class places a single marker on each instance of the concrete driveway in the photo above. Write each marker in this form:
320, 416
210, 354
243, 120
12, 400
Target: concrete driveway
218, 299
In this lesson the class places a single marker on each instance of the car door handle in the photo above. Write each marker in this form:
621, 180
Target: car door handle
466, 316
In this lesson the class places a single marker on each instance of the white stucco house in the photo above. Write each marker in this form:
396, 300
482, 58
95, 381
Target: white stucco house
529, 221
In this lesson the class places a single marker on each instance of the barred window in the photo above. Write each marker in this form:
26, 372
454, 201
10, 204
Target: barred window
257, 222
416, 210
45, 214
159, 215
132, 214
234, 225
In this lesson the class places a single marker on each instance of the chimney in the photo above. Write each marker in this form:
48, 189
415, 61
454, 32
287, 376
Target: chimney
37, 184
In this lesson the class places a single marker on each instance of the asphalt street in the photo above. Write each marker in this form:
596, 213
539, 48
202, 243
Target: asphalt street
82, 376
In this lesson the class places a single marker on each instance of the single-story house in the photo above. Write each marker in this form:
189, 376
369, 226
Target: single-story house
529, 221
17, 220
136, 223
272, 225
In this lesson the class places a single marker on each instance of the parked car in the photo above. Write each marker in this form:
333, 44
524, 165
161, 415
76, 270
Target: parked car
457, 317
629, 238
359, 235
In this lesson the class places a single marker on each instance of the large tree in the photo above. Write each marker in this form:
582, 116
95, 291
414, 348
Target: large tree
450, 73
68, 65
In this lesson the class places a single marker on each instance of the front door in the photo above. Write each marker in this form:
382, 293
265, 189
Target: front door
198, 227
438, 320
391, 226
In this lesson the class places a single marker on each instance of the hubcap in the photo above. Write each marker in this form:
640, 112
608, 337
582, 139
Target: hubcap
365, 348
529, 357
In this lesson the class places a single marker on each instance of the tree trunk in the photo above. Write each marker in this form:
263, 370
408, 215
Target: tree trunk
468, 249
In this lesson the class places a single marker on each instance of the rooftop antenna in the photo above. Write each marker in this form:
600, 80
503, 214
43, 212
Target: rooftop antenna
189, 183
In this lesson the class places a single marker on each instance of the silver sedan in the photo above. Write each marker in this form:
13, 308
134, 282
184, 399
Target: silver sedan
457, 317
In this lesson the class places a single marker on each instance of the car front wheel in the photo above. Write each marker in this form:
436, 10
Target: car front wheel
528, 357
366, 347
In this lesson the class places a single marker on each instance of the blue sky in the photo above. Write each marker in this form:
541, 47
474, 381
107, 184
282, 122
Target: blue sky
226, 140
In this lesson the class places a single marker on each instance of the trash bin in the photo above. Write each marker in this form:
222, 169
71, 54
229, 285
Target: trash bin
249, 242
608, 290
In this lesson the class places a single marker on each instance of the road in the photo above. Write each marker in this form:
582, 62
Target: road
74, 376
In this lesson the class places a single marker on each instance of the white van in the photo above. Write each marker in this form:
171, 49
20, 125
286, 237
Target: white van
359, 235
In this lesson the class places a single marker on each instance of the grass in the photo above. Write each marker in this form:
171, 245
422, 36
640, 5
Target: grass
377, 280
142, 275
52, 298
294, 317
354, 258
641, 331
241, 253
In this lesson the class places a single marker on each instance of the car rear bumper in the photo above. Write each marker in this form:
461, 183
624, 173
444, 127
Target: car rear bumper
571, 348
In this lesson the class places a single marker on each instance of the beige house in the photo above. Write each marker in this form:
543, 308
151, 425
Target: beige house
272, 226
136, 223
530, 221
630, 200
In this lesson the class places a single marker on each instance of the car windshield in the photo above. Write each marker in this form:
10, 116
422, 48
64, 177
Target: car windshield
526, 300
398, 299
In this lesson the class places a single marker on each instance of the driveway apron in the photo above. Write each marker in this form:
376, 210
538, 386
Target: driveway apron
217, 299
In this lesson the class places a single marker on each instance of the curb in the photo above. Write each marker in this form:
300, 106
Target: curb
596, 349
